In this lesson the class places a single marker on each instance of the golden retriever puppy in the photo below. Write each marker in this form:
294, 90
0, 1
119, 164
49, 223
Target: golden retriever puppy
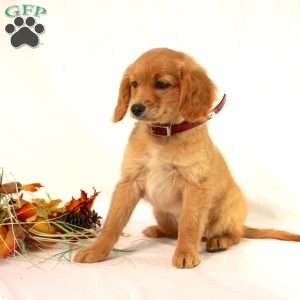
171, 162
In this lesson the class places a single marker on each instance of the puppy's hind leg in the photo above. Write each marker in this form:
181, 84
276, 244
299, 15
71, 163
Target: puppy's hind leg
166, 226
226, 222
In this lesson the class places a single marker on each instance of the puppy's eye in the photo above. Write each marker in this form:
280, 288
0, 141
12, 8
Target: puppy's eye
162, 85
134, 84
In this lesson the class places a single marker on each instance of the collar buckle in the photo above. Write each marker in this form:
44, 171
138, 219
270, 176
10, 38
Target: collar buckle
168, 129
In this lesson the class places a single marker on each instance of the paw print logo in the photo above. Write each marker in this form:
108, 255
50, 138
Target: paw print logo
24, 33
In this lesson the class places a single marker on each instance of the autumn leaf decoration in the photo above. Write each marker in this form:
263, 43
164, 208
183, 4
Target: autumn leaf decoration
41, 222
32, 187
83, 202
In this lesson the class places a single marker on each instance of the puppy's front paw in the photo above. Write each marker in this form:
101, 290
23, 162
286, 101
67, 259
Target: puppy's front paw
90, 254
186, 259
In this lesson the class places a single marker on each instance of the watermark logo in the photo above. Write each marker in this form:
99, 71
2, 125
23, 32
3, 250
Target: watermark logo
26, 28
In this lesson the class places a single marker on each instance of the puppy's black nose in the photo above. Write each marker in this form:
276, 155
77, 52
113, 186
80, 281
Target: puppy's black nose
138, 109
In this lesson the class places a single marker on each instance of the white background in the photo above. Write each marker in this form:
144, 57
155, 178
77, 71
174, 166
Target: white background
57, 100
56, 103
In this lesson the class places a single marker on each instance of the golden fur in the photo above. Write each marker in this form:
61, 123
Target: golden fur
184, 176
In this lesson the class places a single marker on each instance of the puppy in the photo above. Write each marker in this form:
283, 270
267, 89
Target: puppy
171, 162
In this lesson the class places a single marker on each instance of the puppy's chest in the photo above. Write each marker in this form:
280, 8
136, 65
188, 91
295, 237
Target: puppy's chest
162, 182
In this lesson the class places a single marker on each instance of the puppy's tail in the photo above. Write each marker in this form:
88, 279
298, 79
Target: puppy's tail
255, 233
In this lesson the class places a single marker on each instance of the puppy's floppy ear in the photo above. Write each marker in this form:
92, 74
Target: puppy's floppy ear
197, 93
123, 98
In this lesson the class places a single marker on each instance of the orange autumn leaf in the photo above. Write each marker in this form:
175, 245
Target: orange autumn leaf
3, 232
9, 243
84, 201
32, 187
7, 246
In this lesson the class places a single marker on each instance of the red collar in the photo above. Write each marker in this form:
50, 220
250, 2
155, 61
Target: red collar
171, 129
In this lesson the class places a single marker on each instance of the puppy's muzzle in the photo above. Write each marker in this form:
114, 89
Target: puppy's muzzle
138, 109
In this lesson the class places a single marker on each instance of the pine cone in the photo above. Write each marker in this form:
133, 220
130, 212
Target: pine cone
84, 218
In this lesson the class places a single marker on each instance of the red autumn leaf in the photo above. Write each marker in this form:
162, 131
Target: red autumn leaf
26, 211
32, 187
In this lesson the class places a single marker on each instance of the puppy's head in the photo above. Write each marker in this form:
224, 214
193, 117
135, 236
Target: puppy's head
165, 86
